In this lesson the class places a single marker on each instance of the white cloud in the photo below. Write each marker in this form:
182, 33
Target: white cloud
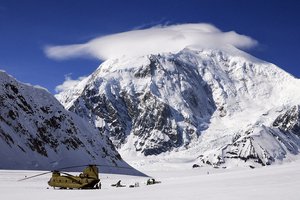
153, 40
68, 84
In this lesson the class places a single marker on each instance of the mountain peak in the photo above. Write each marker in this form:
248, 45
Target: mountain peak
194, 98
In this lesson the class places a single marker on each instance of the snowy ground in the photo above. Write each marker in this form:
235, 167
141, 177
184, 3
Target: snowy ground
280, 182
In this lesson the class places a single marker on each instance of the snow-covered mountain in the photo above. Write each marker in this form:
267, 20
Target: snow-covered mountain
36, 132
220, 106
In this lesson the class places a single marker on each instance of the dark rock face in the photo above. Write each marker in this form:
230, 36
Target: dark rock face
145, 115
289, 121
114, 115
155, 116
246, 149
43, 122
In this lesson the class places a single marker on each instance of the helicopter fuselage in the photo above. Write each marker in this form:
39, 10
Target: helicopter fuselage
87, 180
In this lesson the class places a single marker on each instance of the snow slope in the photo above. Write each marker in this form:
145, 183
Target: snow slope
276, 182
218, 105
36, 132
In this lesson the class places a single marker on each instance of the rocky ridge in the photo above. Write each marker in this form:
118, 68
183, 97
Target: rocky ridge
36, 132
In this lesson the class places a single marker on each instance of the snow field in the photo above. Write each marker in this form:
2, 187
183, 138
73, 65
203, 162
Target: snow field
278, 182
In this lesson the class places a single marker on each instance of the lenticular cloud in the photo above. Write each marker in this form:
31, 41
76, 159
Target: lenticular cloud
158, 39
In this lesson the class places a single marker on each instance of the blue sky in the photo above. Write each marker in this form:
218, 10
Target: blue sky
26, 27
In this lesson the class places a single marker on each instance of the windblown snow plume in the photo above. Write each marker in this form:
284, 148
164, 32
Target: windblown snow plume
155, 40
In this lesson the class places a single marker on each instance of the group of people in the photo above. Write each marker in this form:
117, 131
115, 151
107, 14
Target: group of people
150, 181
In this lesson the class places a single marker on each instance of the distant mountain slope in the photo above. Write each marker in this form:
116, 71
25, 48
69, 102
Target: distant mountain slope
36, 132
211, 103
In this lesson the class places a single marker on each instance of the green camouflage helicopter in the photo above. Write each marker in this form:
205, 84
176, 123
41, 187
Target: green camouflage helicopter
88, 179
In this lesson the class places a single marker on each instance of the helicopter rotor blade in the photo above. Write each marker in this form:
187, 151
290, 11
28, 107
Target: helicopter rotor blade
109, 166
41, 174
77, 166
65, 173
59, 170
72, 167
114, 166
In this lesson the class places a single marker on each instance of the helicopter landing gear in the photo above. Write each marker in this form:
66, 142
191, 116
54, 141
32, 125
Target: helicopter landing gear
98, 186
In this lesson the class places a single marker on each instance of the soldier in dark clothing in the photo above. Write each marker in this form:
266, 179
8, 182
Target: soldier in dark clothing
118, 184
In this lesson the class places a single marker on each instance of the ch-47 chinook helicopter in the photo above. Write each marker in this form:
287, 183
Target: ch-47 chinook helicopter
88, 179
